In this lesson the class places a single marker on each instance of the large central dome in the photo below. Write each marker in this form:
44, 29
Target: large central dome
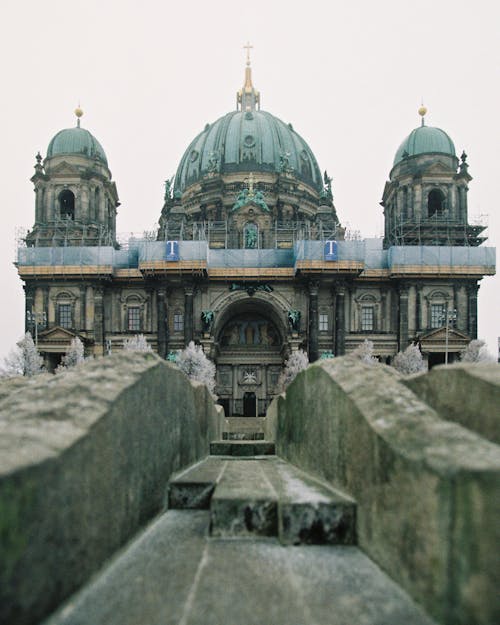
248, 140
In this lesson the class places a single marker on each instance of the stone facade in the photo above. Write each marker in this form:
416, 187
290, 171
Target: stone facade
250, 259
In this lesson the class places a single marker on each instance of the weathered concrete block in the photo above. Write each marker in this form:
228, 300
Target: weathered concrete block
427, 490
85, 460
464, 393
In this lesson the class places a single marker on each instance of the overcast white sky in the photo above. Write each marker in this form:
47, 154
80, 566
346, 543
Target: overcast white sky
150, 74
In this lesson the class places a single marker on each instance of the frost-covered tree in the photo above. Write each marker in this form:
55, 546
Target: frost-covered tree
23, 360
137, 343
476, 351
193, 361
364, 351
409, 361
74, 355
297, 362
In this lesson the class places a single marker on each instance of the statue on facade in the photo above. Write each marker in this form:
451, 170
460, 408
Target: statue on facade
251, 238
213, 161
241, 199
207, 318
294, 320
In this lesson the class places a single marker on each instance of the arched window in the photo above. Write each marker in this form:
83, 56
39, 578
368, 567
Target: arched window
251, 236
67, 204
435, 202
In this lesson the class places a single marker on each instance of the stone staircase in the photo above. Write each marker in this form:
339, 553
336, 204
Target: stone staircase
222, 554
252, 495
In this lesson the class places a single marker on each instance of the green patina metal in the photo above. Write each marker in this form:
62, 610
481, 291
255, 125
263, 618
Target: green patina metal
425, 140
76, 141
248, 141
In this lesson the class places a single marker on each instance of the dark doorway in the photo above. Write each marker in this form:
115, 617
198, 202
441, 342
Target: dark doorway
52, 361
224, 402
249, 405
436, 358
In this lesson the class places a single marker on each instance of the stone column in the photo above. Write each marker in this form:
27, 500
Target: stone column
45, 304
313, 321
340, 321
29, 306
82, 326
418, 308
383, 311
98, 320
472, 290
188, 314
161, 296
403, 317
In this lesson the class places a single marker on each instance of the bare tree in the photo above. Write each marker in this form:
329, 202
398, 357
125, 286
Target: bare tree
24, 359
75, 355
476, 351
364, 351
137, 343
195, 364
297, 362
409, 361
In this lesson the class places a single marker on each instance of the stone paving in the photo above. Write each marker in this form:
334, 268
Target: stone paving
239, 546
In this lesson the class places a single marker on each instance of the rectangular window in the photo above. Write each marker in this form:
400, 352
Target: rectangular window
437, 315
64, 313
134, 318
178, 322
323, 322
367, 318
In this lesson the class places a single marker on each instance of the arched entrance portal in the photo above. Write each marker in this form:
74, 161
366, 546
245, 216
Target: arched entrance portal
249, 361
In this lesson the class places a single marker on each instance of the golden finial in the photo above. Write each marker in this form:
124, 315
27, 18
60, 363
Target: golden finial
78, 113
422, 111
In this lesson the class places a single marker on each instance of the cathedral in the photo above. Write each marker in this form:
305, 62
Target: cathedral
250, 259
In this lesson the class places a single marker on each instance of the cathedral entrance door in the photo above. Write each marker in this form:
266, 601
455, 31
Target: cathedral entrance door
249, 405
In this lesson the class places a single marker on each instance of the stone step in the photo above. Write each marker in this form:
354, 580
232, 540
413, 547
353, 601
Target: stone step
242, 448
193, 487
310, 511
244, 502
265, 497
242, 436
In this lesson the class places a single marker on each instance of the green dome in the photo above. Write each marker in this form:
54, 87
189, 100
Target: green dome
245, 141
76, 141
425, 140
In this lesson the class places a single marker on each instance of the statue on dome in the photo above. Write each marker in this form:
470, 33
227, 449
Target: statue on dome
168, 189
241, 199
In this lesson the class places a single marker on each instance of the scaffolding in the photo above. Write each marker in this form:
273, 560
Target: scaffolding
438, 230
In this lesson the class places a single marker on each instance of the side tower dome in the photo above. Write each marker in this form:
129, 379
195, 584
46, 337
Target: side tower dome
425, 199
248, 169
76, 198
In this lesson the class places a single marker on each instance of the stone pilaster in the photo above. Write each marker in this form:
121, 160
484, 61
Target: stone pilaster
98, 320
313, 322
188, 314
161, 296
403, 317
472, 290
339, 320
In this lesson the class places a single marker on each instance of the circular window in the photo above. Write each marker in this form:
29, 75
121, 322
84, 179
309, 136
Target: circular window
249, 141
249, 116
193, 156
303, 155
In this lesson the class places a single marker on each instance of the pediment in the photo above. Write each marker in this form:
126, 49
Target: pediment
438, 168
65, 169
439, 336
56, 335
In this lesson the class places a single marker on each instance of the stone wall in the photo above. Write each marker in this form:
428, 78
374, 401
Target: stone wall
85, 459
467, 395
427, 489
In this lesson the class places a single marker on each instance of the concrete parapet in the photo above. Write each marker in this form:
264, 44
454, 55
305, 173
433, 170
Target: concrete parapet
427, 489
85, 460
465, 393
